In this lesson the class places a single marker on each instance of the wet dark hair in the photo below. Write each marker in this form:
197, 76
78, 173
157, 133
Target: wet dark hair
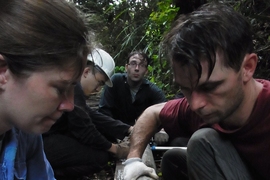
140, 52
202, 33
40, 34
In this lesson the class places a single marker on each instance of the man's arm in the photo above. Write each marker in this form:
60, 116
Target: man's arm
80, 125
107, 125
106, 103
145, 127
157, 95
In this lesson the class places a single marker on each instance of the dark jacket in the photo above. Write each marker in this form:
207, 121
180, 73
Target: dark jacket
117, 102
87, 125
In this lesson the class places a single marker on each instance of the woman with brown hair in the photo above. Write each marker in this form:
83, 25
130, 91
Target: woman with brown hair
43, 51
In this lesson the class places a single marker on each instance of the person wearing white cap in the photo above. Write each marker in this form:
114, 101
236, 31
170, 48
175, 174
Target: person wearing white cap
100, 68
78, 145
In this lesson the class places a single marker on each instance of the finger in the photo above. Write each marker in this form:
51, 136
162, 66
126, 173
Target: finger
151, 173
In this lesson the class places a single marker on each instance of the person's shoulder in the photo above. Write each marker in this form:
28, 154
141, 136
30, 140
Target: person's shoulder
173, 106
176, 107
118, 76
176, 102
153, 87
264, 95
118, 80
266, 83
78, 111
266, 87
78, 88
150, 84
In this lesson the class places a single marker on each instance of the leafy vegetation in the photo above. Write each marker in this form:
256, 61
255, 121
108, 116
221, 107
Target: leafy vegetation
122, 26
258, 13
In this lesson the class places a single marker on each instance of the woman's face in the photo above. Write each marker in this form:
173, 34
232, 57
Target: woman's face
35, 103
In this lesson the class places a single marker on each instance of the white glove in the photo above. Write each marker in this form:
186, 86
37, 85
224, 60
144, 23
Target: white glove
134, 168
161, 137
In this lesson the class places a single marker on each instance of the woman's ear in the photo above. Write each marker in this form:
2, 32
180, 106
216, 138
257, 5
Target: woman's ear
249, 66
3, 70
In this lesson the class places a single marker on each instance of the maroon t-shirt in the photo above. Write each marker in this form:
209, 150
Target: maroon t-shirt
252, 141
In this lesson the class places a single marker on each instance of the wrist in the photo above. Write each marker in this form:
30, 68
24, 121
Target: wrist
113, 148
129, 130
131, 160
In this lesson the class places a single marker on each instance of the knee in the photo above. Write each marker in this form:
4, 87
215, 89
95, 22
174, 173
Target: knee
179, 141
174, 165
173, 156
168, 156
201, 138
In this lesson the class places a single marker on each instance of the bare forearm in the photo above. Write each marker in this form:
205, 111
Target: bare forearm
145, 127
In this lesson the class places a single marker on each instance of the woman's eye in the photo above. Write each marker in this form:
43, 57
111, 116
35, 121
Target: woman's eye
61, 91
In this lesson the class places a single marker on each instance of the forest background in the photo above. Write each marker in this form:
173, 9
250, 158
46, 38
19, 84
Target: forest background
121, 26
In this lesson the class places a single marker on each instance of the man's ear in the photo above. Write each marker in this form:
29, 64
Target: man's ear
146, 72
86, 71
126, 67
249, 66
3, 70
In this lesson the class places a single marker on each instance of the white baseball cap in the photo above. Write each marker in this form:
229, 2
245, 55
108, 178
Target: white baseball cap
104, 61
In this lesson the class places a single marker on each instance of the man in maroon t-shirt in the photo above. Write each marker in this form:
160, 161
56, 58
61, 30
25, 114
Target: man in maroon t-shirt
225, 110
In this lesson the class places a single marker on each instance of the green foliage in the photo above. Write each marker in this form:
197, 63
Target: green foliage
119, 69
258, 13
123, 26
159, 23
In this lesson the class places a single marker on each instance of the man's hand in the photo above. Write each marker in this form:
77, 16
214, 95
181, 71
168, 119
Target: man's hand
130, 130
122, 150
134, 168
161, 137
